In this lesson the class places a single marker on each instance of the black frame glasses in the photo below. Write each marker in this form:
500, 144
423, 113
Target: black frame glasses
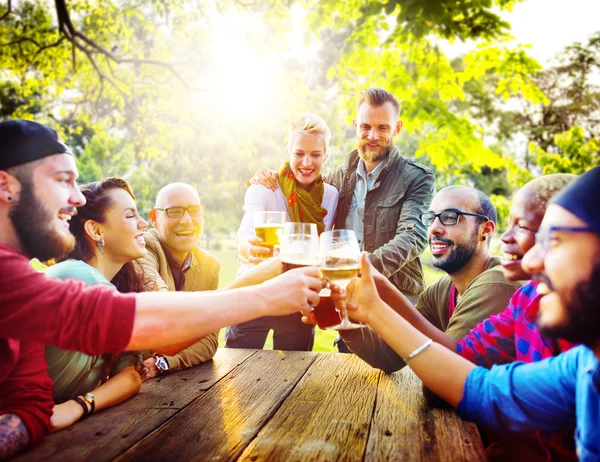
544, 236
194, 211
447, 217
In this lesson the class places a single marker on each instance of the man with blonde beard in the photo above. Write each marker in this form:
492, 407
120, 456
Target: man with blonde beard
382, 194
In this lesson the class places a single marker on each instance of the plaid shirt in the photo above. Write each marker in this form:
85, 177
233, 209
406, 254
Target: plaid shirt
511, 336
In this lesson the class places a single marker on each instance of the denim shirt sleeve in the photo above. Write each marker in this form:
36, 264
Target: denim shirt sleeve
519, 396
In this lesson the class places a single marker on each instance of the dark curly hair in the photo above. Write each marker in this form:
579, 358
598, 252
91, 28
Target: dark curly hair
98, 203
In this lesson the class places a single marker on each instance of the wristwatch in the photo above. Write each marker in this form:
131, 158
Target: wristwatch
89, 398
161, 363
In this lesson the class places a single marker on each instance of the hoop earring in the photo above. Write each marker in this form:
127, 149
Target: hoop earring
100, 244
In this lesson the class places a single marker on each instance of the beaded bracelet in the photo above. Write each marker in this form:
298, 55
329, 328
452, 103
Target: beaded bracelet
82, 403
418, 351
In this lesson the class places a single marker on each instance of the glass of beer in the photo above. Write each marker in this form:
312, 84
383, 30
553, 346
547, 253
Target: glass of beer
325, 312
340, 254
299, 245
268, 226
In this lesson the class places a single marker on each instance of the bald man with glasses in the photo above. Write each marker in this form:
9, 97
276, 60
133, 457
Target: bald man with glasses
460, 223
175, 262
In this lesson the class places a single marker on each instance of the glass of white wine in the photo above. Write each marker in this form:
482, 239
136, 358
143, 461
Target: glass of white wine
340, 263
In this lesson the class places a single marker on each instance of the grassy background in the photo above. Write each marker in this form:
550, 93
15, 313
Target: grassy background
323, 338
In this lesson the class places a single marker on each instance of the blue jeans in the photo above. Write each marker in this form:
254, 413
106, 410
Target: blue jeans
289, 333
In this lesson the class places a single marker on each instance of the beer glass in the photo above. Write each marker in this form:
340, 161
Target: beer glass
268, 226
325, 312
340, 263
299, 245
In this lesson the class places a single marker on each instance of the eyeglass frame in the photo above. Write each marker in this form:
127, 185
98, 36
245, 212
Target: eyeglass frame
439, 217
185, 209
544, 235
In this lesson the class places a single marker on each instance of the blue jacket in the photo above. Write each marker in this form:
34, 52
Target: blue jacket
553, 394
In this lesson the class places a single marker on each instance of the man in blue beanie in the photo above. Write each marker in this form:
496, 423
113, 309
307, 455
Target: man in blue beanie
550, 395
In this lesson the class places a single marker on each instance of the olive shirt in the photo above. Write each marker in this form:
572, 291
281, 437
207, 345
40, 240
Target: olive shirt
487, 294
69, 369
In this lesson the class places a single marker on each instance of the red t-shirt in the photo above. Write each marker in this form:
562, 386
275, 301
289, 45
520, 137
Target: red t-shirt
36, 310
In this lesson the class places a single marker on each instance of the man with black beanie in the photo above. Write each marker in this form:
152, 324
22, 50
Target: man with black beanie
38, 196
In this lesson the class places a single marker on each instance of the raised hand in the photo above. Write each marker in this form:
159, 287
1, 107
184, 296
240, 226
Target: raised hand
266, 178
362, 295
293, 291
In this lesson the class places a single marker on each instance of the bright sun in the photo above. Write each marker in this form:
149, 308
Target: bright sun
244, 70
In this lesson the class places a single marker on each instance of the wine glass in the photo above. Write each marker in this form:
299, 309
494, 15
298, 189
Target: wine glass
268, 226
340, 263
299, 245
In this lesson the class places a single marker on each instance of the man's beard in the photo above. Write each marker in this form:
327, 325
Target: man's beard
459, 256
582, 312
367, 155
32, 223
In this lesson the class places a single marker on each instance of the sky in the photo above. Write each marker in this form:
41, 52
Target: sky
549, 25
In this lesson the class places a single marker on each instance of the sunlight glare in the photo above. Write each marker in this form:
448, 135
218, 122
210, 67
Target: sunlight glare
244, 69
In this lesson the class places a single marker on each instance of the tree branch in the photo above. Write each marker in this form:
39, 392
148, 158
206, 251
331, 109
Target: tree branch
72, 34
8, 11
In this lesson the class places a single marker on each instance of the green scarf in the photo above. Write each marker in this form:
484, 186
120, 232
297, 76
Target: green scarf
304, 204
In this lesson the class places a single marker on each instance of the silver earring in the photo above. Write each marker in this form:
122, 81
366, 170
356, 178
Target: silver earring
100, 244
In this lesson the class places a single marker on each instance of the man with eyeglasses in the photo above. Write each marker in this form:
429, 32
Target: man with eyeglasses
551, 395
175, 262
460, 223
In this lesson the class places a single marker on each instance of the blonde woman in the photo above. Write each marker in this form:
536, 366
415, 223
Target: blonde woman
304, 197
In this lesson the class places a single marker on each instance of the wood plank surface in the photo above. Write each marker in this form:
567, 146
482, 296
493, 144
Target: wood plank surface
256, 405
219, 424
178, 389
326, 418
108, 433
100, 438
404, 428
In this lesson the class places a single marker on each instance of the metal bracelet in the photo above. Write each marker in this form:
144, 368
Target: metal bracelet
418, 351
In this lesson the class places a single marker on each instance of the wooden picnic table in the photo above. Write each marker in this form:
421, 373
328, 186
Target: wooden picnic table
260, 405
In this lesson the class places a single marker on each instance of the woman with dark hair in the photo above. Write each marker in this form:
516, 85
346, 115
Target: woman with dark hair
109, 238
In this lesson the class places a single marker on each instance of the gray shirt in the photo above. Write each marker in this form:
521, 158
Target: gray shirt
365, 182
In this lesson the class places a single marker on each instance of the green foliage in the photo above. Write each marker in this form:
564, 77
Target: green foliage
462, 19
138, 98
576, 154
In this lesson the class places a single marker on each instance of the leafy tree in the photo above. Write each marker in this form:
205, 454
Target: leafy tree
462, 19
546, 126
129, 85
575, 154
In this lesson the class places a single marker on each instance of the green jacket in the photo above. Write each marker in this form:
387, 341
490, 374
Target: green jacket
394, 234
